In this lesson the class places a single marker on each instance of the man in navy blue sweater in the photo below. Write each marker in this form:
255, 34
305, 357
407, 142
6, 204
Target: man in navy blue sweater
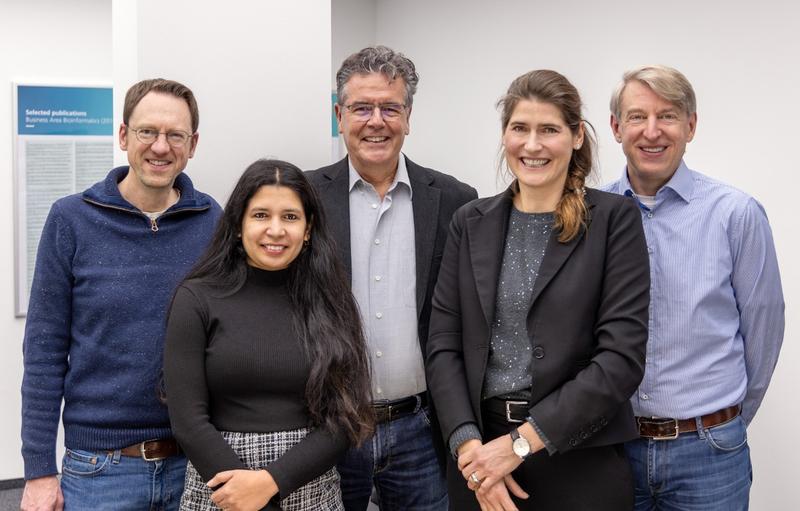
108, 262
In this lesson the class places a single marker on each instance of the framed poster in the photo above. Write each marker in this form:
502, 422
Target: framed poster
63, 143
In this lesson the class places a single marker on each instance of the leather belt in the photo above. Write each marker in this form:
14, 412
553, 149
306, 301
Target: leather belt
152, 450
386, 411
515, 411
668, 429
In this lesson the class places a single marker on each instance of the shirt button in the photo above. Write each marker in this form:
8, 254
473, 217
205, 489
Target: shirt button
379, 391
374, 206
379, 315
379, 354
650, 215
378, 278
645, 397
377, 241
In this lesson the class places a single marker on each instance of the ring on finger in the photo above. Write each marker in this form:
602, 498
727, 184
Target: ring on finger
474, 478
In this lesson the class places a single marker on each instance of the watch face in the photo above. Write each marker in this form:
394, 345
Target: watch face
521, 447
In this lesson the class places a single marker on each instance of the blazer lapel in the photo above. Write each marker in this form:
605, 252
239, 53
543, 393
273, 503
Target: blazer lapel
425, 204
554, 258
486, 234
335, 197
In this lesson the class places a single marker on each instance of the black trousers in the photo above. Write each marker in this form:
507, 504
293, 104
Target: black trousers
590, 479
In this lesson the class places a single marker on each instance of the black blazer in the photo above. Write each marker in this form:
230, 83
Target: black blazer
587, 321
436, 197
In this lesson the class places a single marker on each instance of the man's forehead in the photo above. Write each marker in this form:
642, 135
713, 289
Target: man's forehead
155, 102
639, 95
375, 81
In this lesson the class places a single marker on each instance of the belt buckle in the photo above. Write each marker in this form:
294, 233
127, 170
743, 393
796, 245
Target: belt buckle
143, 451
661, 422
508, 411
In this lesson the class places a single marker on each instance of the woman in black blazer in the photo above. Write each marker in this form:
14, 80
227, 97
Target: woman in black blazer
539, 323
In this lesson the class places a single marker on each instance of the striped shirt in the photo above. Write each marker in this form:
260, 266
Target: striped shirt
716, 304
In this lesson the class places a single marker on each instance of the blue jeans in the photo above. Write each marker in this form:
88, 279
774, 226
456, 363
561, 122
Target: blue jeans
400, 461
704, 471
102, 480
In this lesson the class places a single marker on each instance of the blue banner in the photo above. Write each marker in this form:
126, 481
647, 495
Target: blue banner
334, 121
64, 110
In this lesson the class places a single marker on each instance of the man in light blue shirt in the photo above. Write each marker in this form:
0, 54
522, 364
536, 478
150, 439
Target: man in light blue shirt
389, 217
716, 311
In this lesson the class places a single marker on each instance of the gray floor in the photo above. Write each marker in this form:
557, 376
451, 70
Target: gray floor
9, 499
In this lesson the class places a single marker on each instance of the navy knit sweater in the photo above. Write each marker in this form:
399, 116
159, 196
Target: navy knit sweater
94, 334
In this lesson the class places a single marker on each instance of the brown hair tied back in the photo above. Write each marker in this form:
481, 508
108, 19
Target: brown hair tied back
553, 88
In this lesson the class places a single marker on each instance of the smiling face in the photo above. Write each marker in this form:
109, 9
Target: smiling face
374, 144
653, 133
155, 166
538, 148
274, 228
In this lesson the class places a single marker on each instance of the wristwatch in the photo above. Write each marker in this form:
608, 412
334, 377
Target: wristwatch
520, 445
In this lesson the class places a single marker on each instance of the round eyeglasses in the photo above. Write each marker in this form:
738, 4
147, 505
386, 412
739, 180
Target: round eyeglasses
175, 138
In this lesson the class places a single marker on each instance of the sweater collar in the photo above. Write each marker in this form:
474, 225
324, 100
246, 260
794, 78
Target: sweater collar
107, 193
267, 277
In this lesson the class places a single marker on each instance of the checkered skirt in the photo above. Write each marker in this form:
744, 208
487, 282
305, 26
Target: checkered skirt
257, 450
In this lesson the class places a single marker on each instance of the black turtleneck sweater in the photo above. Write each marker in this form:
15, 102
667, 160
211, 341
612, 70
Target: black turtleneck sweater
233, 362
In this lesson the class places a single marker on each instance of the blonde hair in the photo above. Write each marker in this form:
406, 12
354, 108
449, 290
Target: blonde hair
665, 81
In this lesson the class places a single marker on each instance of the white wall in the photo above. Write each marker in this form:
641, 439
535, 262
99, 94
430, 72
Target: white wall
352, 28
44, 40
260, 72
740, 57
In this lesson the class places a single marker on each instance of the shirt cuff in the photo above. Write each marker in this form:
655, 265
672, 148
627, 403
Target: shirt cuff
551, 449
466, 431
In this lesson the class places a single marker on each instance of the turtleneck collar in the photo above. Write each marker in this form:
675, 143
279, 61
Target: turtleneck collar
267, 277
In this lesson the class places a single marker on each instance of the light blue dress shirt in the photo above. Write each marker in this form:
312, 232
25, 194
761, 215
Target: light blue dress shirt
716, 303
383, 258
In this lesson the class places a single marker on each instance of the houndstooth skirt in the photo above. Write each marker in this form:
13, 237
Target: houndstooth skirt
257, 450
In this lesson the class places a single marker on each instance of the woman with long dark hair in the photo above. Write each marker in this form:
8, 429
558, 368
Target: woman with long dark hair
539, 321
267, 377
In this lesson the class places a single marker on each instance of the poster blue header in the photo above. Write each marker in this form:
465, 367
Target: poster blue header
334, 120
45, 110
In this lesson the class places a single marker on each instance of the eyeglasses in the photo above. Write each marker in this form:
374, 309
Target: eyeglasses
175, 138
666, 118
364, 111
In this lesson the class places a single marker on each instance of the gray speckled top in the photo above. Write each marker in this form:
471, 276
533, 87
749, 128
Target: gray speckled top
508, 373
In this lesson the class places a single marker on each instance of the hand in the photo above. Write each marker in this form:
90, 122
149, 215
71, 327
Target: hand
467, 446
42, 494
490, 463
464, 448
243, 490
494, 460
497, 498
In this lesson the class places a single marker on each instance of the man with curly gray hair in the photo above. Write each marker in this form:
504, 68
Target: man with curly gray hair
392, 247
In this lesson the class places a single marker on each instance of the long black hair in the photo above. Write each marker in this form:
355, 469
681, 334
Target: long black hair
325, 314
